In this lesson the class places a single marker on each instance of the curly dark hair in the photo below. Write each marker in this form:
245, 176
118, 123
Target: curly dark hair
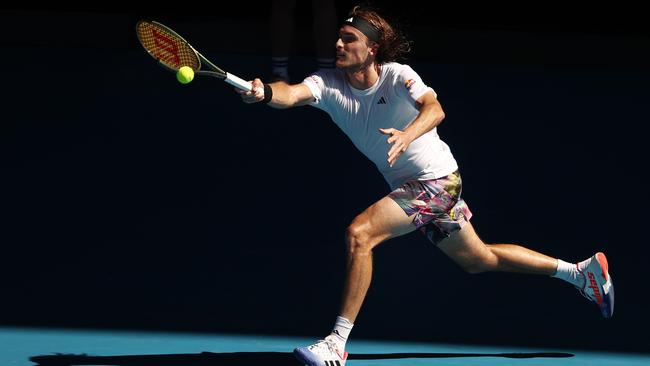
393, 44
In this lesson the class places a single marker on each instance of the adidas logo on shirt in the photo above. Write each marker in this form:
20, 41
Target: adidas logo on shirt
382, 100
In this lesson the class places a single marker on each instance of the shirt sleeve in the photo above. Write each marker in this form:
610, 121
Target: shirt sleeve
410, 84
316, 85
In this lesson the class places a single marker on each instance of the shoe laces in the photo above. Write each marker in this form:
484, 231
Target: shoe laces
331, 346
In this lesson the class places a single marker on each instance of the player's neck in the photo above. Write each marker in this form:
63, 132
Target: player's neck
365, 77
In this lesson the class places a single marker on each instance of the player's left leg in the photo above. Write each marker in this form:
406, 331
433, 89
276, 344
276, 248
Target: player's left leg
383, 220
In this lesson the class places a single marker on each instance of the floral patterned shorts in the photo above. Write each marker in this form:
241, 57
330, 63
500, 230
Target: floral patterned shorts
439, 210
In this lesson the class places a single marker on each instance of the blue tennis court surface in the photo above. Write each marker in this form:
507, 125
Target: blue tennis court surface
32, 346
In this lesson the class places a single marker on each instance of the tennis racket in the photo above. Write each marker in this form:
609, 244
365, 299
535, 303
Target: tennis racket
174, 52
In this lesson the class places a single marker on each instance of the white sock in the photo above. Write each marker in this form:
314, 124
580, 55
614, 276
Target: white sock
569, 272
341, 331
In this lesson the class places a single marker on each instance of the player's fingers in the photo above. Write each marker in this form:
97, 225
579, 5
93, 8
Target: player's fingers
257, 88
392, 159
250, 97
386, 131
399, 145
392, 148
240, 91
258, 91
392, 153
253, 96
397, 149
257, 83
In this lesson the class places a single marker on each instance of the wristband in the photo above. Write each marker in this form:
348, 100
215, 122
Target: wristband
268, 93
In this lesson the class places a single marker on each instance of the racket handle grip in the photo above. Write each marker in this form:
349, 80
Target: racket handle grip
238, 82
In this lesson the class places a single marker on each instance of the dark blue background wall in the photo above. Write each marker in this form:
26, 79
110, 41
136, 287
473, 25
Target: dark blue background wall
131, 201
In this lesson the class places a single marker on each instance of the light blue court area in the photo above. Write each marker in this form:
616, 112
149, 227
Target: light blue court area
52, 347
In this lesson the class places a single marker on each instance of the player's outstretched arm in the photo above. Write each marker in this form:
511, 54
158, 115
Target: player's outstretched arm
278, 94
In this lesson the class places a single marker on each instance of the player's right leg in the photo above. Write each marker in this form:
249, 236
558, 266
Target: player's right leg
474, 256
590, 277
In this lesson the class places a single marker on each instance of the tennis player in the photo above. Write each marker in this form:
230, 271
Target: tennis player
391, 116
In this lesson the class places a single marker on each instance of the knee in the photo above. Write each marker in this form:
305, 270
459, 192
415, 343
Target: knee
476, 263
475, 267
358, 240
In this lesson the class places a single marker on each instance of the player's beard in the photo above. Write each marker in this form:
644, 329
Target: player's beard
357, 67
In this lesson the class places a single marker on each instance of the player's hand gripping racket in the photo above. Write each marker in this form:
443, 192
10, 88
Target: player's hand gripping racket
173, 52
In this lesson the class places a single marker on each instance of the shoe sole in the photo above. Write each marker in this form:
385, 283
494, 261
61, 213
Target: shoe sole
308, 358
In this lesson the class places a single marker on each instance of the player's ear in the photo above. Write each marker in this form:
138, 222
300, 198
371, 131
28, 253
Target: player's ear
374, 48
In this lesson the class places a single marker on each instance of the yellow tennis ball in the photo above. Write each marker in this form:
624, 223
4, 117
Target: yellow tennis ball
185, 74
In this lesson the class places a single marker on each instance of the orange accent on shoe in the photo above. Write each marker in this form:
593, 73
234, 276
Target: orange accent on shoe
600, 257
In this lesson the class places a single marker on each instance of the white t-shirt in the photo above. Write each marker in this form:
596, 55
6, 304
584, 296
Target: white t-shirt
390, 102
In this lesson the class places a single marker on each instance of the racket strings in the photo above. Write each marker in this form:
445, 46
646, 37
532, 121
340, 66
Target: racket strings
167, 47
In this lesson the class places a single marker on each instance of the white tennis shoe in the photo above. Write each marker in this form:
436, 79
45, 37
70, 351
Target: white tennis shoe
598, 286
325, 352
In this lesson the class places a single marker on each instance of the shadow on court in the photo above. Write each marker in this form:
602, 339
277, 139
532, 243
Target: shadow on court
249, 358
